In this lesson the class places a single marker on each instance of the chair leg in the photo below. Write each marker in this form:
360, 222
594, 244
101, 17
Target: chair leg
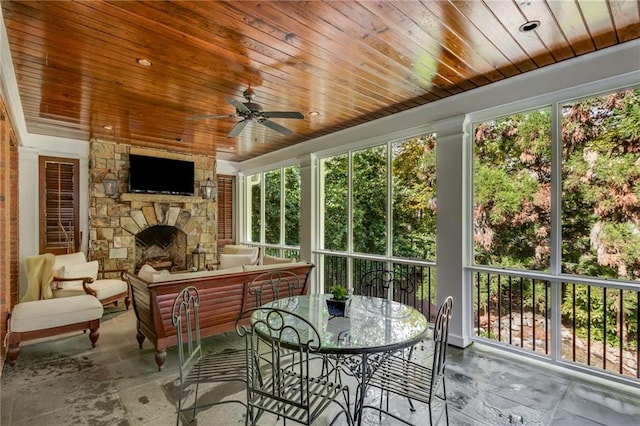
446, 409
195, 401
179, 406
13, 348
381, 397
94, 333
430, 415
406, 367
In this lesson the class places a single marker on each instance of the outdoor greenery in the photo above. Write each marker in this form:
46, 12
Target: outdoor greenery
273, 215
414, 198
413, 224
600, 205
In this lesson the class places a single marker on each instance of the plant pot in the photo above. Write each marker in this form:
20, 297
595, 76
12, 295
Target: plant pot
337, 308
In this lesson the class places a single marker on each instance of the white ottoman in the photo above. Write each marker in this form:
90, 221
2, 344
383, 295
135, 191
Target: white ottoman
43, 318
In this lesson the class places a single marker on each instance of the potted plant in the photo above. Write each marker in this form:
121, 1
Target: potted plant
337, 303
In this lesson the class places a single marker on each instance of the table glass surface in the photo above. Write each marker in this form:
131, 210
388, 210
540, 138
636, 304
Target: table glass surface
371, 324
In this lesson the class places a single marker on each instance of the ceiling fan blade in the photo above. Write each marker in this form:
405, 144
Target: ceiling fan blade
275, 126
237, 128
239, 106
205, 117
283, 114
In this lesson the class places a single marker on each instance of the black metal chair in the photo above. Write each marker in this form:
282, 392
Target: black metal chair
195, 367
413, 380
286, 389
274, 285
387, 284
278, 283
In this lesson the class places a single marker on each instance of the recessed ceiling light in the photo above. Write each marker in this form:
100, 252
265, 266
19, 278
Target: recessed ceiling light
179, 139
144, 62
314, 113
529, 26
232, 147
107, 127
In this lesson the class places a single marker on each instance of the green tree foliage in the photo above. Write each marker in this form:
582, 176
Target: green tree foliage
601, 186
292, 205
413, 165
369, 196
336, 216
255, 207
272, 211
512, 186
414, 198
601, 209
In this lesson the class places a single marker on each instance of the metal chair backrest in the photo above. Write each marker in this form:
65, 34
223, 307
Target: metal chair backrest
184, 317
387, 284
278, 343
277, 284
441, 339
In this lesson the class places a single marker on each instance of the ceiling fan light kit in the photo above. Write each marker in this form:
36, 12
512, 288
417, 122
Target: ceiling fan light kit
249, 111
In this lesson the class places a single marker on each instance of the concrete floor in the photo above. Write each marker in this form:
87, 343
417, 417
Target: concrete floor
63, 382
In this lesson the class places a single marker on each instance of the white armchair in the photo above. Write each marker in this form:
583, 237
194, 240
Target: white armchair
73, 276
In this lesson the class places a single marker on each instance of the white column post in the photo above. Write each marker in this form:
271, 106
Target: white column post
308, 216
450, 223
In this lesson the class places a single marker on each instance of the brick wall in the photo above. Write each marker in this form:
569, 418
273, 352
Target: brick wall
9, 286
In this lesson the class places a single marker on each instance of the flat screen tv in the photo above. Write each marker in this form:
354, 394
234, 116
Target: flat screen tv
156, 175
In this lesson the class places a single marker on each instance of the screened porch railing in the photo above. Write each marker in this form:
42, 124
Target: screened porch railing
336, 267
598, 327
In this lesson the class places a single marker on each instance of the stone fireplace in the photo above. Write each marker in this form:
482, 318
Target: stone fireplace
158, 229
161, 246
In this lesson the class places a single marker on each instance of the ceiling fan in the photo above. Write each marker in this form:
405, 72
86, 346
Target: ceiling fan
250, 111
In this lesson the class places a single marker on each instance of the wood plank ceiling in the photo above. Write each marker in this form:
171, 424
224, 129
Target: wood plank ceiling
351, 61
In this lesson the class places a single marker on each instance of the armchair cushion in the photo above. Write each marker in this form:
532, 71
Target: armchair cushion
147, 272
67, 259
43, 314
272, 260
231, 260
151, 274
239, 249
104, 289
78, 270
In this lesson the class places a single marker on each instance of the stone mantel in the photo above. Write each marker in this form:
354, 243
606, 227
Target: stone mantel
160, 198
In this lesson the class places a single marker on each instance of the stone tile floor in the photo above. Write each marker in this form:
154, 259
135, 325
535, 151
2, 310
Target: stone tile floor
63, 382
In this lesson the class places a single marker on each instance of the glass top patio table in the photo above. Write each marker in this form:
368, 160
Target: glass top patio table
371, 330
371, 324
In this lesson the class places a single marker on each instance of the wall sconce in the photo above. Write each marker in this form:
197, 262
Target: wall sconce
209, 190
110, 182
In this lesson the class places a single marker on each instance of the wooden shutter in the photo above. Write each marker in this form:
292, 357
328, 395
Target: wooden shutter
226, 186
59, 216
